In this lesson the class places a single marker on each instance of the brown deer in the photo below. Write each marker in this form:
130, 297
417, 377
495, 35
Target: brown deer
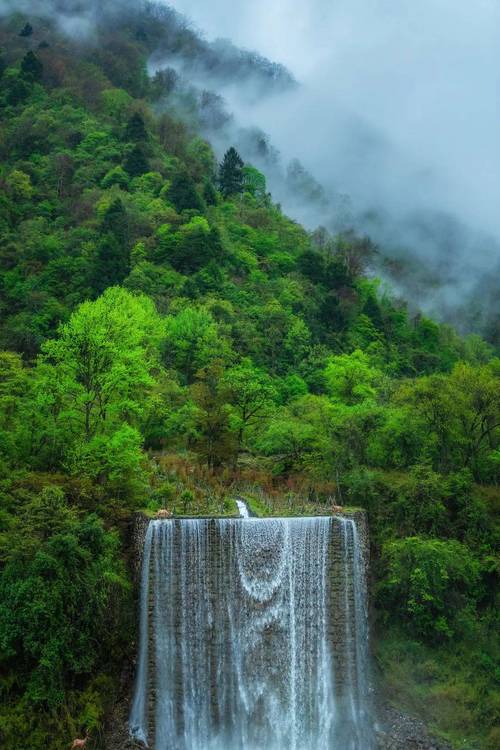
80, 743
164, 513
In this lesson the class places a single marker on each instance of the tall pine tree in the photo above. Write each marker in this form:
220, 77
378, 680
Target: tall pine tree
135, 130
31, 67
231, 173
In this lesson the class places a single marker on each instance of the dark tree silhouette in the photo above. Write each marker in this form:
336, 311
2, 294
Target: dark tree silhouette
135, 129
27, 30
231, 174
113, 255
31, 67
209, 193
183, 193
136, 162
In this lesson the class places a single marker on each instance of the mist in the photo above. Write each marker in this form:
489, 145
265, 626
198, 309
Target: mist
398, 107
391, 109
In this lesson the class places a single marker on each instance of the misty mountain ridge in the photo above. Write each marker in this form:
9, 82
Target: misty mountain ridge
430, 257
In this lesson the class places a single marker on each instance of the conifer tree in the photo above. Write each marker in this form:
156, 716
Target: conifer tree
183, 193
27, 30
31, 67
209, 193
135, 129
113, 255
231, 173
136, 163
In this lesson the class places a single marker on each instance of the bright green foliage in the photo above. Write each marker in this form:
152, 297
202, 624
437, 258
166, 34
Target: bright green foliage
350, 378
254, 182
147, 317
105, 354
251, 394
192, 340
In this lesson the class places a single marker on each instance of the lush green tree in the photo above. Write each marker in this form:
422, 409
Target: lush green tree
104, 356
193, 246
431, 584
192, 340
351, 378
214, 439
136, 162
251, 394
289, 440
62, 589
254, 182
231, 178
135, 129
183, 193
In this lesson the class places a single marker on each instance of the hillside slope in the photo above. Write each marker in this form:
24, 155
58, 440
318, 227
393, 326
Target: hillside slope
170, 336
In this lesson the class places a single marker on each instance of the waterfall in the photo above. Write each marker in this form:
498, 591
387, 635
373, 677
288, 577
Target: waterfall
243, 509
253, 636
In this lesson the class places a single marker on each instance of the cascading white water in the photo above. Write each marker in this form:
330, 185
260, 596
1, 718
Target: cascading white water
243, 509
253, 636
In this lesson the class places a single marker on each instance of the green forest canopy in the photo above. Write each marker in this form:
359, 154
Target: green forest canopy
153, 303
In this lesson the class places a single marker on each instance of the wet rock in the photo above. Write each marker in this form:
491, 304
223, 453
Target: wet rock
400, 731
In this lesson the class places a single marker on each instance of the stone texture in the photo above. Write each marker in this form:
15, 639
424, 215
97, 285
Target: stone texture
398, 731
403, 732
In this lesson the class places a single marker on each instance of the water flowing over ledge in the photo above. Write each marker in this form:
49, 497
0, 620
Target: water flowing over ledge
253, 636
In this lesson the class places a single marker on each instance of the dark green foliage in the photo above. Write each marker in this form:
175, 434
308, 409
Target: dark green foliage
231, 173
195, 247
183, 193
62, 592
136, 129
113, 254
31, 67
136, 162
27, 30
209, 193
144, 309
433, 585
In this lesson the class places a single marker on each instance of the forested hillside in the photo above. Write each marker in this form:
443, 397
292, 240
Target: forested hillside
169, 338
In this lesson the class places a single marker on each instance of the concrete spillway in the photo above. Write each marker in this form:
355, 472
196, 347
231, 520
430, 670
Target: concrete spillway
253, 636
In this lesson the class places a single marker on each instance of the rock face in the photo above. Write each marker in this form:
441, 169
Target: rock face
139, 528
403, 732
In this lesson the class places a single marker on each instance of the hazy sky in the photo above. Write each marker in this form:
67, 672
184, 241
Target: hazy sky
400, 102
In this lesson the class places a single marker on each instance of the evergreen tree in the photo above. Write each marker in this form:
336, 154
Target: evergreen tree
135, 129
372, 309
231, 173
136, 162
113, 255
31, 67
209, 193
17, 91
27, 30
115, 221
183, 193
